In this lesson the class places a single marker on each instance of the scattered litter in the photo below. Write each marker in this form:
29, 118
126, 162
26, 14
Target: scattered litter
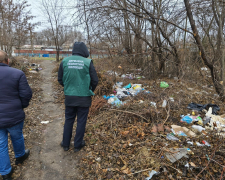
171, 99
180, 133
187, 119
206, 143
112, 73
175, 154
164, 103
198, 128
190, 142
187, 131
33, 71
121, 93
153, 104
192, 164
127, 86
152, 173
98, 159
204, 69
115, 101
200, 107
199, 144
187, 165
171, 137
44, 122
164, 84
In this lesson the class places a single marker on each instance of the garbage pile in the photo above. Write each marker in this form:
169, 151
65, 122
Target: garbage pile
154, 150
146, 131
121, 93
34, 68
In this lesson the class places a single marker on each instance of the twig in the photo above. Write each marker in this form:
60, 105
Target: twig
173, 168
130, 113
168, 113
222, 174
217, 163
140, 171
210, 175
207, 164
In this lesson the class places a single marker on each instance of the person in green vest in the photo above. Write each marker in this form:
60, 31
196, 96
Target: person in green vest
79, 78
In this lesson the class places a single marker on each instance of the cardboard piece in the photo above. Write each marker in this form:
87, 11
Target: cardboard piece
187, 131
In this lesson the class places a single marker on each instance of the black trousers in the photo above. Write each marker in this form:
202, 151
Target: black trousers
70, 115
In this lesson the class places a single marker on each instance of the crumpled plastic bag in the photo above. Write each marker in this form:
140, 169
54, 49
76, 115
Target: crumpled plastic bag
152, 173
200, 107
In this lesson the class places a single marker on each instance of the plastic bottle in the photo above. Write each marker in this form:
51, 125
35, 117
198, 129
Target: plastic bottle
206, 143
198, 128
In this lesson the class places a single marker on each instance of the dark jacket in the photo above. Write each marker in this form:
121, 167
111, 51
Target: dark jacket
15, 94
80, 49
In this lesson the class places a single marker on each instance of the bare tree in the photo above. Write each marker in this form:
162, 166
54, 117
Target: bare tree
210, 64
14, 18
56, 17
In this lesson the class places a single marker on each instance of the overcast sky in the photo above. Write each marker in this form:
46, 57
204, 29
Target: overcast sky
35, 9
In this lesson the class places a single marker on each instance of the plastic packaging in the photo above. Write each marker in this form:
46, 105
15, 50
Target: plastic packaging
171, 99
164, 84
164, 103
115, 101
171, 137
198, 128
199, 144
108, 97
206, 143
190, 142
200, 122
187, 119
137, 87
206, 119
153, 104
127, 86
119, 84
151, 174
181, 133
209, 113
176, 154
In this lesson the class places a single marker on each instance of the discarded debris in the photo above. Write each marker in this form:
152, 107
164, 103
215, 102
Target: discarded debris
44, 122
175, 154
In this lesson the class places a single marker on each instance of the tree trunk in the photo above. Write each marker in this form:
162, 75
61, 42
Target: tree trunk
215, 77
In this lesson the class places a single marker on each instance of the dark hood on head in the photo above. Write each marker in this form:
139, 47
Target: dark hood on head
80, 49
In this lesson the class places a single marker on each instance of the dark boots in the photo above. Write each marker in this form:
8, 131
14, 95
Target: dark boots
8, 176
20, 160
76, 149
64, 147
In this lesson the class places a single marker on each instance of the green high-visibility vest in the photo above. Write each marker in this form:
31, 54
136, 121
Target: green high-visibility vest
76, 77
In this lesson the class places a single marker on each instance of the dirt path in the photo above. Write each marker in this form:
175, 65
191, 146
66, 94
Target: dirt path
48, 161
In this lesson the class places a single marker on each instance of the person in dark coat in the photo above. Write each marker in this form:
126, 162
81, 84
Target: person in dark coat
78, 77
15, 94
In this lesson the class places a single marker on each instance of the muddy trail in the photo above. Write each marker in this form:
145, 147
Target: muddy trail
47, 159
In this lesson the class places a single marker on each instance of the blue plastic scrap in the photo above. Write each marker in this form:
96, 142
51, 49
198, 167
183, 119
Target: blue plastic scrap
127, 86
187, 119
107, 97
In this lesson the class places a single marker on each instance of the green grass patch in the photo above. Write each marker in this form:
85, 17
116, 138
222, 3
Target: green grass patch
44, 58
